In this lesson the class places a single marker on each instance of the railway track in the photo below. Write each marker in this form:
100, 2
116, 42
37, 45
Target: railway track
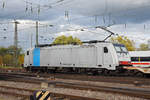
111, 79
24, 94
133, 92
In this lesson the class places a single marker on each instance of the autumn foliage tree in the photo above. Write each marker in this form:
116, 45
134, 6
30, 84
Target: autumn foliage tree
143, 47
21, 59
7, 56
124, 40
1, 60
8, 59
64, 40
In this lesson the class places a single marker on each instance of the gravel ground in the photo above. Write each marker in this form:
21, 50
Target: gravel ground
5, 97
98, 95
20, 85
103, 83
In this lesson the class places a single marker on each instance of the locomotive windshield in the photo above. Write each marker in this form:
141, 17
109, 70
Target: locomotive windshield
120, 48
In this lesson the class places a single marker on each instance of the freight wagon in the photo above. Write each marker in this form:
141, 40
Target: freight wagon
94, 56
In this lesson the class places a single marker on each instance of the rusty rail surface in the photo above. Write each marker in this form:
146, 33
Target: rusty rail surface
142, 93
27, 96
6, 90
133, 92
72, 97
112, 79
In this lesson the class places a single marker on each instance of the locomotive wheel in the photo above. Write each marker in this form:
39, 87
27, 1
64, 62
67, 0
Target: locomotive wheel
79, 71
29, 69
106, 72
130, 73
95, 73
139, 74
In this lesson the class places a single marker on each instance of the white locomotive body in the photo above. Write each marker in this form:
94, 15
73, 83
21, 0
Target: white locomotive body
99, 55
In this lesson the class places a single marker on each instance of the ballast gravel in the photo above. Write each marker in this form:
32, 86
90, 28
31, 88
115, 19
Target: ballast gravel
91, 94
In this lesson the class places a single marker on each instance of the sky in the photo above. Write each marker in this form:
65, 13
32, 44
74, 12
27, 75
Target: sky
129, 18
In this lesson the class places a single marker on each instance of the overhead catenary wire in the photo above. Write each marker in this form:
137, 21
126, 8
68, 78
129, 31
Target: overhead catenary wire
61, 2
39, 8
125, 12
31, 14
40, 12
50, 5
45, 25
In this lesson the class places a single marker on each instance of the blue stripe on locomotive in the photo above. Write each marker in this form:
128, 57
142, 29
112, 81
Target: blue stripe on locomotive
36, 57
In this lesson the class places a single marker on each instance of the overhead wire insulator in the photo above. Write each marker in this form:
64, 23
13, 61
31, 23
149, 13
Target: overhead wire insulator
51, 25
4, 37
104, 19
3, 6
39, 9
31, 8
26, 7
95, 19
66, 14
4, 29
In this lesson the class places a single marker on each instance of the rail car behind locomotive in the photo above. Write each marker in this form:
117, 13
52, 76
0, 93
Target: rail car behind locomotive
140, 61
89, 55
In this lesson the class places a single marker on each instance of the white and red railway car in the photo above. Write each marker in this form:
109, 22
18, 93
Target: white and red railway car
140, 61
140, 58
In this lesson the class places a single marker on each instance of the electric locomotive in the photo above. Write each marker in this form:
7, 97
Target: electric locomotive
91, 56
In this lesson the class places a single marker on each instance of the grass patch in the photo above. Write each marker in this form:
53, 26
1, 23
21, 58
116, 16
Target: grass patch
9, 67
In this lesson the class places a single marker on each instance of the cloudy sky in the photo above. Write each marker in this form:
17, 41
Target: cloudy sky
129, 18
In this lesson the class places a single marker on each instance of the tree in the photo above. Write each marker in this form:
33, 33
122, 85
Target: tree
64, 40
124, 40
7, 55
21, 60
3, 51
8, 60
143, 47
1, 60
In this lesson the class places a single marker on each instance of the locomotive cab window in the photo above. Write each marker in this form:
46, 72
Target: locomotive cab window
27, 52
105, 50
120, 48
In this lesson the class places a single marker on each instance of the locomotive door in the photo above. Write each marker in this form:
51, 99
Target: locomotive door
107, 59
